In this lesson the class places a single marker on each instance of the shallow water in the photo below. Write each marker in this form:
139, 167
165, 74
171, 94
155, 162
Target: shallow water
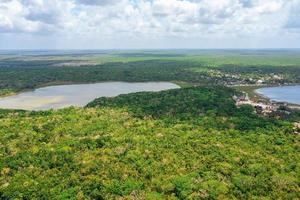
290, 94
61, 96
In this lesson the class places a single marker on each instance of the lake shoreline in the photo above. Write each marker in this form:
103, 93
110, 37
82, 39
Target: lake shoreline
181, 84
269, 99
61, 96
251, 90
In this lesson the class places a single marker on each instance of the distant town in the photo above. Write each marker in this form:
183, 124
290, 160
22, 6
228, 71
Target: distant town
267, 108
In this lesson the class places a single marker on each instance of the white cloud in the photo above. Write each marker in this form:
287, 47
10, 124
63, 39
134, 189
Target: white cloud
97, 2
293, 21
34, 16
107, 20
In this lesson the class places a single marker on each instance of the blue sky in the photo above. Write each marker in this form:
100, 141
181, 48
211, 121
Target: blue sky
126, 24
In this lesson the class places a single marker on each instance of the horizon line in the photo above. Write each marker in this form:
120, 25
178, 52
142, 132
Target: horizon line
116, 49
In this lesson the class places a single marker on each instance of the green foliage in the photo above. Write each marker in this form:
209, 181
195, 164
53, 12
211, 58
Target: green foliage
190, 143
287, 114
122, 148
5, 92
193, 67
194, 101
19, 77
198, 104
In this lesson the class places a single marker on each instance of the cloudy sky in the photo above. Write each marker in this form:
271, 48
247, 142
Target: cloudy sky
119, 24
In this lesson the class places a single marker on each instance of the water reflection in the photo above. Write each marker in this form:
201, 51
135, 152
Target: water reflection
290, 94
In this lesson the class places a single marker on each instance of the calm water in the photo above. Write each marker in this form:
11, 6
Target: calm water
290, 94
76, 95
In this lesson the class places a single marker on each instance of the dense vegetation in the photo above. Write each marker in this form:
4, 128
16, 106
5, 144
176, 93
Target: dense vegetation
198, 105
178, 144
189, 143
195, 67
20, 78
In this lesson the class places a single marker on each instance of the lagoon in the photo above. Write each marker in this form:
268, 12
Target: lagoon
289, 94
54, 97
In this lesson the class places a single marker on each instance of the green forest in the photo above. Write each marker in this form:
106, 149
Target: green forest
190, 143
187, 143
194, 67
